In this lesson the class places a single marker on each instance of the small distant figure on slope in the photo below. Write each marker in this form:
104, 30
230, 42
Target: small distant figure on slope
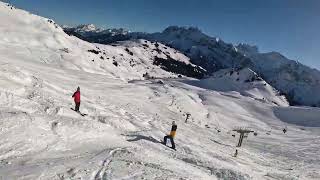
284, 130
76, 97
171, 136
236, 153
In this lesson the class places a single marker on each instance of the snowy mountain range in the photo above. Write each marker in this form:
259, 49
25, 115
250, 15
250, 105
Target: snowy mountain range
91, 33
91, 30
131, 91
296, 81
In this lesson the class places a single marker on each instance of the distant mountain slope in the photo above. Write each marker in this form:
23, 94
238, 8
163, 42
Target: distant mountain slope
300, 83
208, 52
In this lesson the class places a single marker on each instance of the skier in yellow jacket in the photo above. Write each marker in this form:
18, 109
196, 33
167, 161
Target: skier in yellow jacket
171, 136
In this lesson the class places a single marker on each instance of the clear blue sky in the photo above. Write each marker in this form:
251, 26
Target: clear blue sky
291, 27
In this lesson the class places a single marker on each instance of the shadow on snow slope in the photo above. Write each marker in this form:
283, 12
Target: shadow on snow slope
301, 116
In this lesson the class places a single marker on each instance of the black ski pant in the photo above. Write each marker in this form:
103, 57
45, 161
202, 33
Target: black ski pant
77, 106
171, 139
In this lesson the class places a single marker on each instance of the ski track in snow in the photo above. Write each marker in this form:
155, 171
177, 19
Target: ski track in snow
101, 172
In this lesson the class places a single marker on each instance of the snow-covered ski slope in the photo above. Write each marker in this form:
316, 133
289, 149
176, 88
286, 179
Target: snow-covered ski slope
42, 138
40, 40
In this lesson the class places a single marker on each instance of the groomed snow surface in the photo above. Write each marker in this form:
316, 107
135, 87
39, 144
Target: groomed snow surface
42, 138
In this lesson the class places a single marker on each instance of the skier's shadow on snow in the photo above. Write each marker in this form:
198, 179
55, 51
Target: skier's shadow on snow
141, 137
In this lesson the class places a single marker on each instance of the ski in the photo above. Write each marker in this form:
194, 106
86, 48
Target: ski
167, 146
82, 114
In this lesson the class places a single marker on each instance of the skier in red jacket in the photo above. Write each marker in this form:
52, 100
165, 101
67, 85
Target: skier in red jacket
76, 97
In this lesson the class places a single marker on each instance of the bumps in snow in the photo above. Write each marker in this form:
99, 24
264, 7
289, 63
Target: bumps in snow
66, 50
